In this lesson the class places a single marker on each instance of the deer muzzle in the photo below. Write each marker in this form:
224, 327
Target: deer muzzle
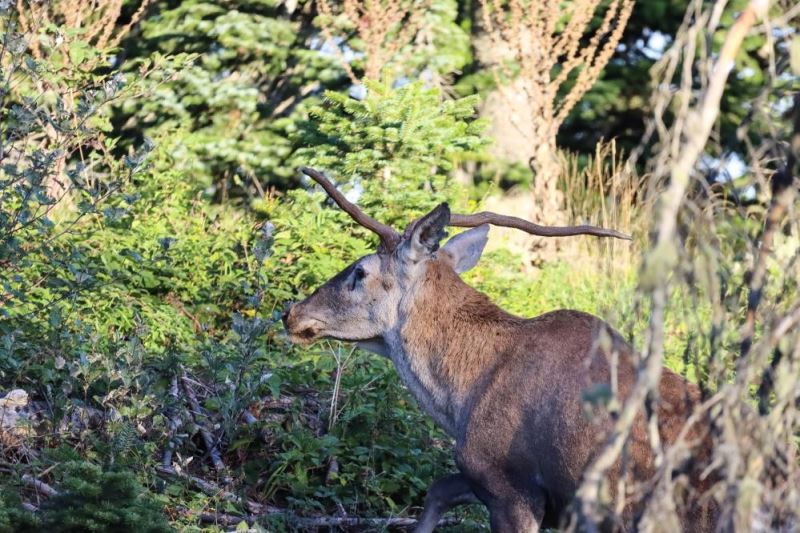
302, 329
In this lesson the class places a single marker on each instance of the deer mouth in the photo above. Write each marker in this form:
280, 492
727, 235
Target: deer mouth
308, 334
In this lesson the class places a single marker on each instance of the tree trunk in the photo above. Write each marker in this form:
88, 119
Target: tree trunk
521, 139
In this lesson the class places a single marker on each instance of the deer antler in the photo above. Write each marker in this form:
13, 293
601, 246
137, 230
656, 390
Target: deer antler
389, 237
487, 217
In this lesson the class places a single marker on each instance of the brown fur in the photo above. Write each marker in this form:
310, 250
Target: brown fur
477, 352
509, 390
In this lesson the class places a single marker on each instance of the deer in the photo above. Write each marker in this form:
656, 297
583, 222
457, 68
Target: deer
507, 390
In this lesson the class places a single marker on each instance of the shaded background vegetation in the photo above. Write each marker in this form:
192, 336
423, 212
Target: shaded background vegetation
152, 226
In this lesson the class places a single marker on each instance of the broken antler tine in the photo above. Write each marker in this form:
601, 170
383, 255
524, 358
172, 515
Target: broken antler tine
389, 237
487, 217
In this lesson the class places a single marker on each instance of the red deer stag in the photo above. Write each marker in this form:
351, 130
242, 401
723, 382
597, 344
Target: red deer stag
508, 390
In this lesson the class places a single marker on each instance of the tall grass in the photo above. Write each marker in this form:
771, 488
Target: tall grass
603, 190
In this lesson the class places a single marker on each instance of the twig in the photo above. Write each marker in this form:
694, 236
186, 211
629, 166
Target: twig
214, 490
221, 519
230, 520
355, 521
341, 365
208, 439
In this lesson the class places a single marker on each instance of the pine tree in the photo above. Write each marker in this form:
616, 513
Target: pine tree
399, 146
259, 66
91, 499
13, 517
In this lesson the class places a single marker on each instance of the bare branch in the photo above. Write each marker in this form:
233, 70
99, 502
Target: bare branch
208, 439
356, 521
258, 510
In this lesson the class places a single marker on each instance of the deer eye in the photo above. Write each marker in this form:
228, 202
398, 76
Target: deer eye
358, 274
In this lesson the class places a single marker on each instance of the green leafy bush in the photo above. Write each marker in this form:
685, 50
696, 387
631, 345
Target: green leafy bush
91, 499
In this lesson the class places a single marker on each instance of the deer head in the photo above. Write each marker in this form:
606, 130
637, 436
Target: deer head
365, 301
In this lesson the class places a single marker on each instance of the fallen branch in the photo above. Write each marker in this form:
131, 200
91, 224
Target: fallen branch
208, 439
174, 424
212, 489
39, 485
258, 510
355, 521
220, 519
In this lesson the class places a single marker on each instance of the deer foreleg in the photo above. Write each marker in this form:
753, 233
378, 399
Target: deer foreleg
445, 493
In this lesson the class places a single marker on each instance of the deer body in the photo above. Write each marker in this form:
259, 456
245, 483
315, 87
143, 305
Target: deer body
508, 390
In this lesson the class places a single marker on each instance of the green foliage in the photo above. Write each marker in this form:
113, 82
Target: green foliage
259, 66
57, 175
234, 106
12, 516
54, 147
444, 50
125, 267
399, 143
91, 499
374, 414
237, 106
158, 261
408, 131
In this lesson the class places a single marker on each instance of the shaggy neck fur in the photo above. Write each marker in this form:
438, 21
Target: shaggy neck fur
448, 337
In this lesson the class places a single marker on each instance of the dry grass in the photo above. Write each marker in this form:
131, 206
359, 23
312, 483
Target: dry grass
720, 258
604, 191
96, 20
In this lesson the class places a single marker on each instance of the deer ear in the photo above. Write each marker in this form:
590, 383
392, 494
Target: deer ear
426, 233
465, 249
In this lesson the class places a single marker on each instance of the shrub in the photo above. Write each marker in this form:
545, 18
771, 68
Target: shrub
12, 515
91, 499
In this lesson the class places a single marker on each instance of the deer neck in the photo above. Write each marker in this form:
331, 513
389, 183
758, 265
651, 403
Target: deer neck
449, 335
